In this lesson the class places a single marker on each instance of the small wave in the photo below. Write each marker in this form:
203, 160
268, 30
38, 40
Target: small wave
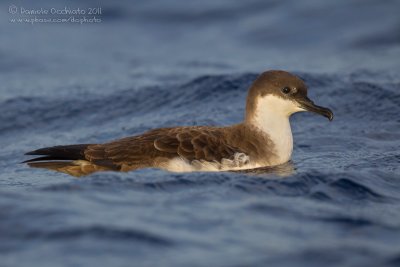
102, 232
355, 190
142, 180
42, 112
348, 221
394, 261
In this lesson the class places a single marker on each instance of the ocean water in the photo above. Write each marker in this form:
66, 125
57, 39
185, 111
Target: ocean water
151, 64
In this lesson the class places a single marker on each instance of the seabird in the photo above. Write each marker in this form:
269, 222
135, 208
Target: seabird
262, 139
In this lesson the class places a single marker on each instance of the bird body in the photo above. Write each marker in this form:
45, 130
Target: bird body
263, 139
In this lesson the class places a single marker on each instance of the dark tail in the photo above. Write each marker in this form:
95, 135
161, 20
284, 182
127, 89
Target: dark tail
71, 152
63, 159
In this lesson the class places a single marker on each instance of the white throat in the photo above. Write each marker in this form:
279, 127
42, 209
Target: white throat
272, 117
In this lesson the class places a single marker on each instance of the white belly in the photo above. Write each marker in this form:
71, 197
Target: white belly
240, 162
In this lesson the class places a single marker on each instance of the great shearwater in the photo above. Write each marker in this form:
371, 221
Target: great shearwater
264, 138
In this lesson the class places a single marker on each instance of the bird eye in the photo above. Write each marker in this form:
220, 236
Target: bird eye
286, 90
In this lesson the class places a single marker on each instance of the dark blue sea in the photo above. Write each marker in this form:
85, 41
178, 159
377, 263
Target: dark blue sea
149, 64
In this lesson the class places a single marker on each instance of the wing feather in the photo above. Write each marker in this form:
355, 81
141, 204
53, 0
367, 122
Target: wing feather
191, 143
